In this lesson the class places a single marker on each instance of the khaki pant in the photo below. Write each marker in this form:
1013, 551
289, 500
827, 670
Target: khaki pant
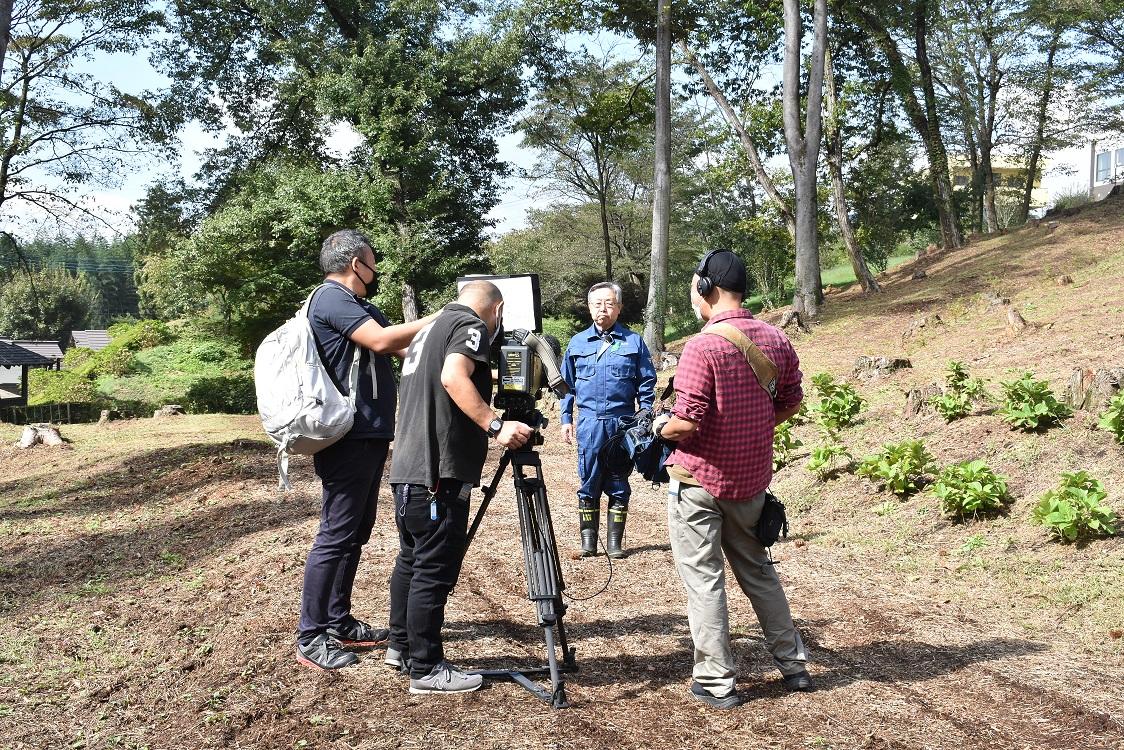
702, 528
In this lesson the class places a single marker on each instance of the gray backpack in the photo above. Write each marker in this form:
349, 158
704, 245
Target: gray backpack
300, 406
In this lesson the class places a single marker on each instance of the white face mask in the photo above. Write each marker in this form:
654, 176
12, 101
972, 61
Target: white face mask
698, 311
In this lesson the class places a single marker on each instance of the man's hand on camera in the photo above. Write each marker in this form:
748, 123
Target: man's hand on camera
514, 435
568, 433
659, 422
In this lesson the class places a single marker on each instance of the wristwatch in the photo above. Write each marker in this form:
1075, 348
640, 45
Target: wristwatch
494, 428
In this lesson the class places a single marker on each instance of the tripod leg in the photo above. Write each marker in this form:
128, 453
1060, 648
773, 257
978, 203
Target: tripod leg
558, 686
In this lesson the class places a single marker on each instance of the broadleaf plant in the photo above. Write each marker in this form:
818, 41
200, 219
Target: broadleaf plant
1074, 509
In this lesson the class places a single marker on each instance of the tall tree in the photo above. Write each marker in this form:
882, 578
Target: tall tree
889, 23
834, 146
661, 199
61, 129
978, 44
428, 86
587, 121
803, 140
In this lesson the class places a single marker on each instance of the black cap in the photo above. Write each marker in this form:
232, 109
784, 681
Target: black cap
725, 269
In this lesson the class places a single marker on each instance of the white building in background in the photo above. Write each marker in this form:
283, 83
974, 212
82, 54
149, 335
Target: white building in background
1106, 167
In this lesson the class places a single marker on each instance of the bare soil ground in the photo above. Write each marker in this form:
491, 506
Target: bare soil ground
150, 574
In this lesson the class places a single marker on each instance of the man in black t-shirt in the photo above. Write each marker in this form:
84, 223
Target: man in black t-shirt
350, 469
439, 451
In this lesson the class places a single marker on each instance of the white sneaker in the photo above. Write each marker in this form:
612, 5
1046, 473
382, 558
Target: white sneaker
445, 678
395, 660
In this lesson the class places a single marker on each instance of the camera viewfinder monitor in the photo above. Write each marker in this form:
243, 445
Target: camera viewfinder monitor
522, 306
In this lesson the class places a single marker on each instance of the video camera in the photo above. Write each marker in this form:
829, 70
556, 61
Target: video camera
527, 363
527, 360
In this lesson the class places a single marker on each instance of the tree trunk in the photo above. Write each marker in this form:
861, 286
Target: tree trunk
835, 167
1040, 130
5, 28
803, 149
603, 203
661, 195
750, 147
409, 302
934, 143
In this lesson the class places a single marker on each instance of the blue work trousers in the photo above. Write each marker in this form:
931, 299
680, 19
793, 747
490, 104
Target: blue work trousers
592, 434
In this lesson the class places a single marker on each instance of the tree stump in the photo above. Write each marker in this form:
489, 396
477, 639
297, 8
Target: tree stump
1016, 323
108, 415
917, 399
668, 361
873, 368
919, 274
169, 410
792, 317
39, 433
917, 325
1064, 280
1091, 390
992, 300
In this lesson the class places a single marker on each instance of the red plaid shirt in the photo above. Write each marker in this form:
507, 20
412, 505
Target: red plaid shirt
731, 452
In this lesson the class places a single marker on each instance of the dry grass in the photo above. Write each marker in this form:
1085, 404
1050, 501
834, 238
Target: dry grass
150, 574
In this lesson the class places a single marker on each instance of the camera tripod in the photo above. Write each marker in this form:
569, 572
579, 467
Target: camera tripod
544, 574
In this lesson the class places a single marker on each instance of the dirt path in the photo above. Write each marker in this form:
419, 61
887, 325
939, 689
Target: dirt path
149, 601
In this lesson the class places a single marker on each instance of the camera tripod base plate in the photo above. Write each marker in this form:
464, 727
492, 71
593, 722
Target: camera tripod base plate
522, 678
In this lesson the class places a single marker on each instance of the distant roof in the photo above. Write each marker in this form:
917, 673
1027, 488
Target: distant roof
46, 348
12, 355
91, 339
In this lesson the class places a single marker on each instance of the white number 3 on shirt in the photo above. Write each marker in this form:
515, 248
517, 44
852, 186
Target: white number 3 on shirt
473, 342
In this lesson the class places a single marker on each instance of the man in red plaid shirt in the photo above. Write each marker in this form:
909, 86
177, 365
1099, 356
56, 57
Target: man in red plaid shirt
722, 423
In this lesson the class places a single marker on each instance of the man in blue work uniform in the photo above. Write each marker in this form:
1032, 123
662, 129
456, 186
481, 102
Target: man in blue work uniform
609, 370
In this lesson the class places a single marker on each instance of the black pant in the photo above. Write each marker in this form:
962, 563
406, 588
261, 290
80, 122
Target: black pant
432, 537
350, 471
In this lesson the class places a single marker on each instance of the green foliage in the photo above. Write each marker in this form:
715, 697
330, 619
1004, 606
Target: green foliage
960, 394
899, 467
1030, 405
46, 304
1113, 418
826, 458
839, 403
228, 394
1074, 509
784, 443
969, 489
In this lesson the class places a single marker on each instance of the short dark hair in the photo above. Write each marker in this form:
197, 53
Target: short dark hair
340, 247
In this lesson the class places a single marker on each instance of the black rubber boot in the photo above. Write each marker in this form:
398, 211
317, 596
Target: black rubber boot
589, 521
617, 518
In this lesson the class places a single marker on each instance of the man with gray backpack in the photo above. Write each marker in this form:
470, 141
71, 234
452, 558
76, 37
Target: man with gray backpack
305, 414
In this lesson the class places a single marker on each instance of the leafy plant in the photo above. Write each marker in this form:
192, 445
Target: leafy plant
1030, 404
839, 403
1074, 509
1113, 419
969, 489
826, 456
784, 443
899, 467
960, 393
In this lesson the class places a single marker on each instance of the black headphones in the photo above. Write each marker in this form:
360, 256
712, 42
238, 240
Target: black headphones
705, 286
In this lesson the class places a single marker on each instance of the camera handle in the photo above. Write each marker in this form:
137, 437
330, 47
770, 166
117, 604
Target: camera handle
543, 572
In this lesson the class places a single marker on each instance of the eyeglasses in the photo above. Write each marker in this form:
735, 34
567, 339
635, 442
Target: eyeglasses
603, 305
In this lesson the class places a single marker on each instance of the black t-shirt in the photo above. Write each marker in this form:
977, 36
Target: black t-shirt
335, 313
435, 439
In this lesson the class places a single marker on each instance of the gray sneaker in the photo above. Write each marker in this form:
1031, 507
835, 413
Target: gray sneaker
445, 678
396, 660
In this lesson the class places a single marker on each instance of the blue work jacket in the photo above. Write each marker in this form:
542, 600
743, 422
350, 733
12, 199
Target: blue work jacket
608, 385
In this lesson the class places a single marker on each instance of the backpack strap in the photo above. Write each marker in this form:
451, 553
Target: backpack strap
353, 373
763, 367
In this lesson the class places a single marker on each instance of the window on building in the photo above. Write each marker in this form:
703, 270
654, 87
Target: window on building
1119, 156
960, 181
1104, 166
